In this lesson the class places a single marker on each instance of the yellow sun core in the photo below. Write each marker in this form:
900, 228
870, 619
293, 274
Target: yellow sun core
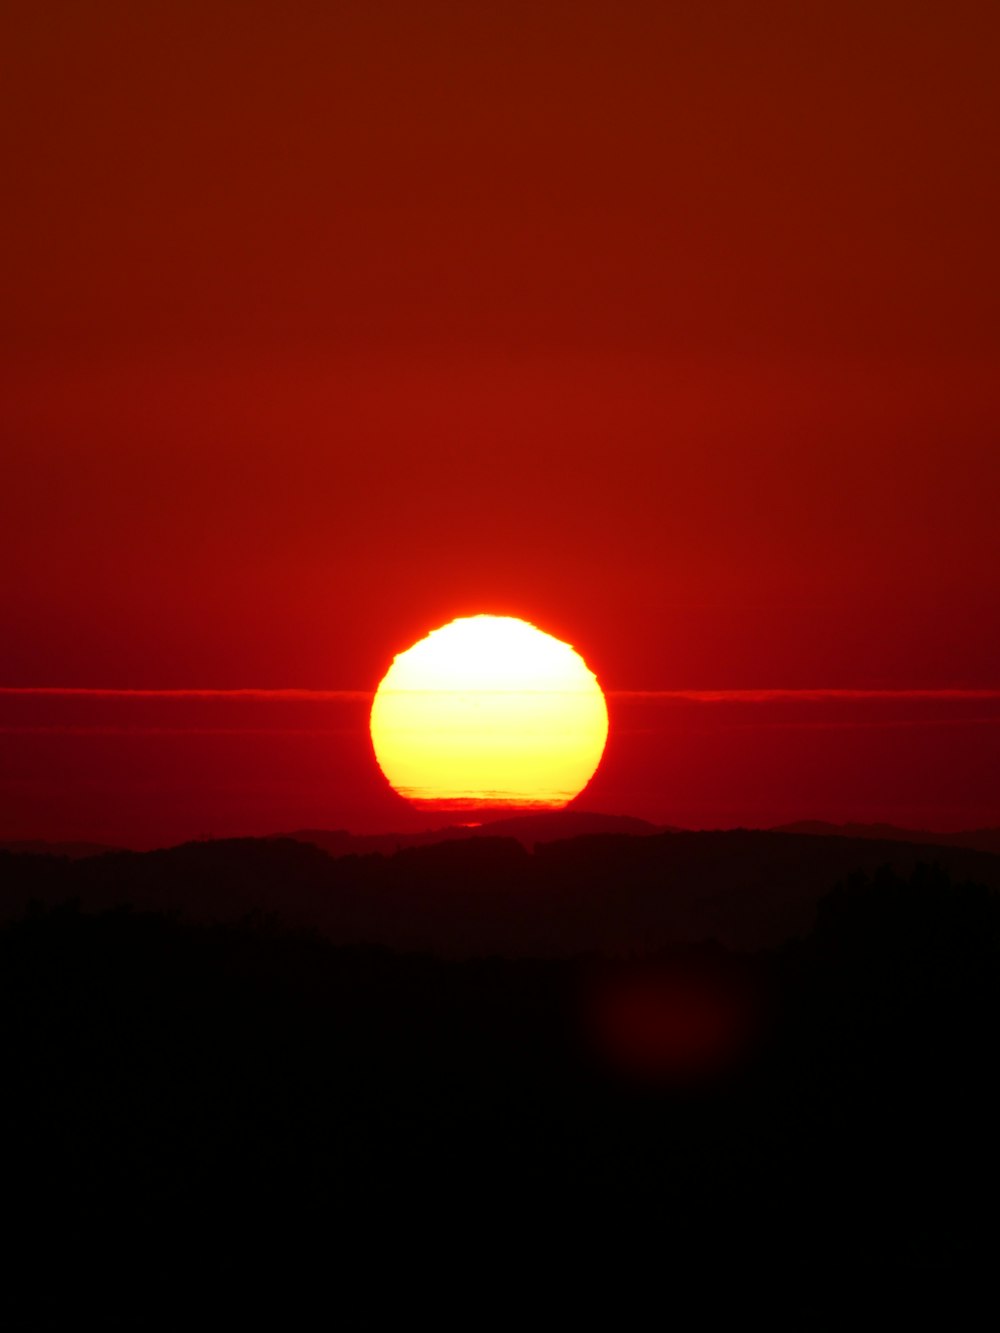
489, 711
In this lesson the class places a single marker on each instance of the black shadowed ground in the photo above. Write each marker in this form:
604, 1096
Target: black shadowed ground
175, 1040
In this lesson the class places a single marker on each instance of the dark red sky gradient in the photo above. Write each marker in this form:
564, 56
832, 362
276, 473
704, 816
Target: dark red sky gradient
673, 329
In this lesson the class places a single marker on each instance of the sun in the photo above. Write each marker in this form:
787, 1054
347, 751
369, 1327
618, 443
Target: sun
489, 711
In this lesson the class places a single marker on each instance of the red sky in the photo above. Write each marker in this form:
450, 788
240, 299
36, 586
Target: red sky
670, 328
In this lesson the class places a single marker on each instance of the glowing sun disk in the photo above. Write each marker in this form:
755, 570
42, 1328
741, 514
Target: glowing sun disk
489, 710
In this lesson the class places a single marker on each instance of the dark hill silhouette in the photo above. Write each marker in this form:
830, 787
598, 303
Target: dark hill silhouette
541, 827
529, 830
487, 895
980, 840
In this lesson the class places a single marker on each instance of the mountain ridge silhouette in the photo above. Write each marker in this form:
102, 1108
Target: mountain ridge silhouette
482, 895
978, 839
537, 827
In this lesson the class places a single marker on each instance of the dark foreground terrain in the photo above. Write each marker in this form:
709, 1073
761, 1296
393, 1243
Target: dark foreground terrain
831, 1093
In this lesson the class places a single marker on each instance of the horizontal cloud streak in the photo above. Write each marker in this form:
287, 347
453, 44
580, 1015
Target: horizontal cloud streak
807, 694
92, 692
172, 731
